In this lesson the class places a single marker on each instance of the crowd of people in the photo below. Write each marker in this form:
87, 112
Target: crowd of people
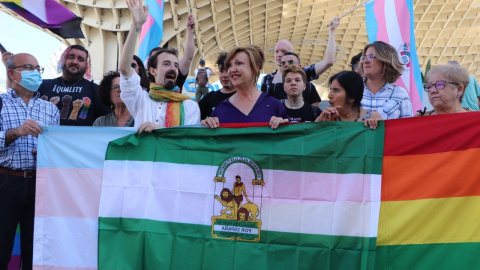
150, 98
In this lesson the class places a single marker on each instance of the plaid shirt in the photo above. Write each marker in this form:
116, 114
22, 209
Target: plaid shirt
18, 155
391, 102
268, 86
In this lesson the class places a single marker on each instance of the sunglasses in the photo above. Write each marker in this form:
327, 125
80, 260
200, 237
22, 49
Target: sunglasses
134, 65
282, 63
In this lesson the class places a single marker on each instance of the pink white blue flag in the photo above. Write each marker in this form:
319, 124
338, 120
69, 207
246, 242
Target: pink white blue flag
152, 30
391, 21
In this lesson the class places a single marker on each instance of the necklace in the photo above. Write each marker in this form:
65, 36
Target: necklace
63, 82
356, 119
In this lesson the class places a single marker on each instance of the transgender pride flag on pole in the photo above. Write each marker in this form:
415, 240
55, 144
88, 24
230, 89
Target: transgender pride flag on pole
391, 21
152, 30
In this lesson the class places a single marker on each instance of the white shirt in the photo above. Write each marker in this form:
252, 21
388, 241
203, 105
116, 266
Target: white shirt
206, 69
144, 109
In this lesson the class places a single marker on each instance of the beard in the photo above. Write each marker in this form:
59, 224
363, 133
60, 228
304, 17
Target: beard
170, 79
74, 74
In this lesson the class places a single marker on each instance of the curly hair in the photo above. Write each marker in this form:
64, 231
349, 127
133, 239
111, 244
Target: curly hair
105, 88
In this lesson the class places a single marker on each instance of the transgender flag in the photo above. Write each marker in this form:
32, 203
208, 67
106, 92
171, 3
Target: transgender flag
152, 30
391, 21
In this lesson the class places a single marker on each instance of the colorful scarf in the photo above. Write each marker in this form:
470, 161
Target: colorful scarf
175, 115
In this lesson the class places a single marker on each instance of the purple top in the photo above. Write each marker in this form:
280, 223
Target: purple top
263, 110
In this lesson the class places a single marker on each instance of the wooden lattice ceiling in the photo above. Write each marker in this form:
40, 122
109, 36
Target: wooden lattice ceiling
445, 30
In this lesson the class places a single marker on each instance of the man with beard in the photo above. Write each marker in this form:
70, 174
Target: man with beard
74, 95
208, 103
161, 106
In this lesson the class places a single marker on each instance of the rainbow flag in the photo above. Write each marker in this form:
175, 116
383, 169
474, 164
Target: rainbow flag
430, 194
48, 14
152, 30
392, 21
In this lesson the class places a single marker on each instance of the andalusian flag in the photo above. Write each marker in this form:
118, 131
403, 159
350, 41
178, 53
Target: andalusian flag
429, 216
305, 196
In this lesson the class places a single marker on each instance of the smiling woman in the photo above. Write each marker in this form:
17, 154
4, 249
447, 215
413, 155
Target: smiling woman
248, 104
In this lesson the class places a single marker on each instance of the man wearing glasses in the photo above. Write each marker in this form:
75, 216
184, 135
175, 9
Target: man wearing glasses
270, 80
74, 93
21, 114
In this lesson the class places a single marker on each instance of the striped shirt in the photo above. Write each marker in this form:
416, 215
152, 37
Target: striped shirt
18, 155
391, 102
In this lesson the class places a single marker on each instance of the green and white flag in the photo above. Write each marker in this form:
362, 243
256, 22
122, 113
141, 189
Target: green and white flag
304, 196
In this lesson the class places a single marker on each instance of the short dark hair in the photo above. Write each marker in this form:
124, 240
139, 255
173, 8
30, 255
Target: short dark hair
352, 82
238, 176
294, 54
105, 87
221, 61
201, 62
153, 61
144, 81
355, 60
79, 47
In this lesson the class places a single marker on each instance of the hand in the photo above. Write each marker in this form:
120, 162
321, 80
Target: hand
329, 114
334, 24
276, 121
190, 22
5, 57
211, 122
372, 122
138, 12
29, 127
147, 127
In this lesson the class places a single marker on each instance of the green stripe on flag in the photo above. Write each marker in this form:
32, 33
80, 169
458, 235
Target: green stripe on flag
148, 244
340, 147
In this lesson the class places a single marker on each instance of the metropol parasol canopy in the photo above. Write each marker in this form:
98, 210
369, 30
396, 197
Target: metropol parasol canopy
444, 30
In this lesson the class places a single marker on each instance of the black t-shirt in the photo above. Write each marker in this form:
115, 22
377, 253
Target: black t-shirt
181, 80
310, 94
308, 113
208, 103
78, 101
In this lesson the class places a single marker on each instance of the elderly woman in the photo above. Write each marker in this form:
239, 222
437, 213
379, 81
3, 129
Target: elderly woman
346, 91
248, 104
109, 93
446, 86
381, 68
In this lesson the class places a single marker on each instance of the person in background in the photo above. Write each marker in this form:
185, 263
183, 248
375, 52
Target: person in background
294, 83
346, 92
209, 71
208, 103
446, 86
471, 97
248, 104
139, 68
355, 64
202, 84
109, 92
381, 67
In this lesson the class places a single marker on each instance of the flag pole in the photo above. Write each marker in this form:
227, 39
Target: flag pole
351, 10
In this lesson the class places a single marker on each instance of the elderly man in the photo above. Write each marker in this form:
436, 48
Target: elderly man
161, 107
75, 96
313, 71
22, 113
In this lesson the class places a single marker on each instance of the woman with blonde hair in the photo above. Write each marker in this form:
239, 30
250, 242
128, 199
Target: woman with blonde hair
446, 87
248, 104
381, 68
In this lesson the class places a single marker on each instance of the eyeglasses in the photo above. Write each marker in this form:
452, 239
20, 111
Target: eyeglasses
134, 65
368, 57
355, 66
31, 68
115, 88
282, 63
439, 85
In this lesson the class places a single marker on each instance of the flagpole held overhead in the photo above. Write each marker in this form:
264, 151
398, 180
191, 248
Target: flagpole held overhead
351, 10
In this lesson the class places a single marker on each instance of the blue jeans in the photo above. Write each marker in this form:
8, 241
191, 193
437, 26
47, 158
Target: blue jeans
17, 205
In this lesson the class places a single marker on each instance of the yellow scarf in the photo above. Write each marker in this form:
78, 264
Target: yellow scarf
175, 115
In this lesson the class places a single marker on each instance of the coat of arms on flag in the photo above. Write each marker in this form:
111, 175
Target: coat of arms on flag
239, 218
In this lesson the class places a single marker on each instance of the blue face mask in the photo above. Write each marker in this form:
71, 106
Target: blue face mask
31, 80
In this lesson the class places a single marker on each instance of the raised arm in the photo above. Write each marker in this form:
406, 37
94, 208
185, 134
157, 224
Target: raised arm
139, 16
189, 47
329, 59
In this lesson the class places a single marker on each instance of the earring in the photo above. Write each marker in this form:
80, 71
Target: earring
458, 96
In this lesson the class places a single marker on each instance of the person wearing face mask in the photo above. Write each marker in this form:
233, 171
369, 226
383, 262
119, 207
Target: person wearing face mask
162, 106
21, 115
